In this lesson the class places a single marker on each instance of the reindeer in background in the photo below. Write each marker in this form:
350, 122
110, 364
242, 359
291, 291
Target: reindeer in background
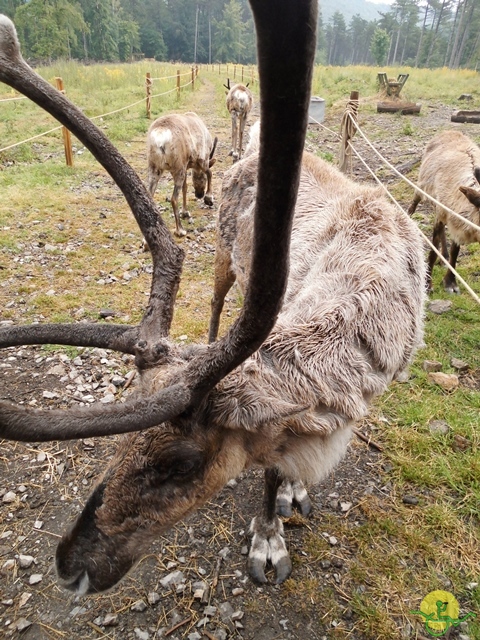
239, 104
199, 418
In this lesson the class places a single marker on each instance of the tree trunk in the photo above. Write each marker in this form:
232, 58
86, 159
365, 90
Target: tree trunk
457, 36
419, 48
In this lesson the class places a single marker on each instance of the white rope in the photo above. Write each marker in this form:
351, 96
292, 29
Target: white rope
187, 73
432, 246
17, 144
416, 187
10, 99
324, 127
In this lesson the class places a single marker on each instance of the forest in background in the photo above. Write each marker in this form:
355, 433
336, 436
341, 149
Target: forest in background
417, 33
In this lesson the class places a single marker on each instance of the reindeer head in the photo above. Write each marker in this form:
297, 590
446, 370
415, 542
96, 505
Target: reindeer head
199, 178
174, 460
473, 194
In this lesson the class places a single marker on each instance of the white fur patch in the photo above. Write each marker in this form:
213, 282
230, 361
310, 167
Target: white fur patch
161, 137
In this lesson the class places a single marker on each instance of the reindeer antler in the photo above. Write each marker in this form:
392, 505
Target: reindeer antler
285, 79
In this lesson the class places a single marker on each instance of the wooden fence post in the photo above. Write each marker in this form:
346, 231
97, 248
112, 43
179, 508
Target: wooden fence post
193, 78
67, 139
242, 73
178, 84
148, 86
348, 130
234, 71
252, 76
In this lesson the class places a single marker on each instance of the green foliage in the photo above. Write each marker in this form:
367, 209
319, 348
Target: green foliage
379, 46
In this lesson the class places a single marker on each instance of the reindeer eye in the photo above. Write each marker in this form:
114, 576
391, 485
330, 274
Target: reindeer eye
184, 467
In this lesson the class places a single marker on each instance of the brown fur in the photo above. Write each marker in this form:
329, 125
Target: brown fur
350, 322
448, 173
177, 143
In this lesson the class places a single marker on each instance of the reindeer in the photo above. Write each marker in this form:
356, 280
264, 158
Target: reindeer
180, 142
239, 104
450, 173
337, 329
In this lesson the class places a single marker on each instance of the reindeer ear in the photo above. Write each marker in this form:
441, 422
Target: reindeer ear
211, 162
476, 173
473, 195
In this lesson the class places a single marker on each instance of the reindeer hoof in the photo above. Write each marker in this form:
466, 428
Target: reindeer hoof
268, 544
451, 287
180, 232
293, 493
208, 200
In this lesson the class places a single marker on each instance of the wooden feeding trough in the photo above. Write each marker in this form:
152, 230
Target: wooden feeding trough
393, 103
466, 116
391, 86
398, 106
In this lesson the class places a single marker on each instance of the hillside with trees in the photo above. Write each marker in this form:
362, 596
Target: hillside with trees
418, 33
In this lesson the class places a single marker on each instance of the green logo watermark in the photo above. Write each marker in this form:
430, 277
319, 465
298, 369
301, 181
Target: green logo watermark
440, 611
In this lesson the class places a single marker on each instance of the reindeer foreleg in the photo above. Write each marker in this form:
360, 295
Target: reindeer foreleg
268, 542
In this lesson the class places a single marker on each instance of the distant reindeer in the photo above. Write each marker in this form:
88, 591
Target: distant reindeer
450, 173
239, 104
320, 333
179, 142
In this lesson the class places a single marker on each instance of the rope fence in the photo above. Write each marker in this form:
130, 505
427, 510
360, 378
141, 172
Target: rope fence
349, 127
67, 143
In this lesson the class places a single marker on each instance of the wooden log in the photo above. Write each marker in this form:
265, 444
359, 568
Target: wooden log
395, 106
472, 117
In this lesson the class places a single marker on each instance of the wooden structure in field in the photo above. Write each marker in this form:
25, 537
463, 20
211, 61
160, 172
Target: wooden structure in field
472, 117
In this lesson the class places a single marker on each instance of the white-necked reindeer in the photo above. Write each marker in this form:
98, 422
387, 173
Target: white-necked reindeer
239, 104
179, 142
334, 328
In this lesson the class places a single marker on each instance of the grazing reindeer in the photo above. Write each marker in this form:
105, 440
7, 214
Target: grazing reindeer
178, 143
200, 418
239, 104
450, 173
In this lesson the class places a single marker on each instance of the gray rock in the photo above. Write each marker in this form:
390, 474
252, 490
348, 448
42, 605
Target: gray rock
459, 365
9, 497
139, 606
410, 500
22, 624
25, 561
110, 620
432, 366
439, 426
174, 578
141, 635
439, 306
153, 597
226, 611
35, 578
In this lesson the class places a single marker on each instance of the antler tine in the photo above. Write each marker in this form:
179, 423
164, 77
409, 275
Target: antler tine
167, 256
119, 337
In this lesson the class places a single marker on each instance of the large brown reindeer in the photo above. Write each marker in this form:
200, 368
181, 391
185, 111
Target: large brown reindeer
183, 451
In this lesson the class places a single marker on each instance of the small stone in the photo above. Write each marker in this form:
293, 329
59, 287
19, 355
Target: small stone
226, 611
332, 540
22, 488
231, 484
439, 306
345, 506
35, 578
210, 611
460, 443
459, 365
141, 635
106, 313
110, 620
41, 456
325, 564
220, 634
410, 500
471, 585
448, 381
153, 597
198, 594
24, 598
38, 524
237, 615
9, 497
49, 395
8, 564
25, 561
138, 606
432, 366
439, 426
174, 578
194, 636
244, 550
22, 624
238, 591
203, 622
223, 553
